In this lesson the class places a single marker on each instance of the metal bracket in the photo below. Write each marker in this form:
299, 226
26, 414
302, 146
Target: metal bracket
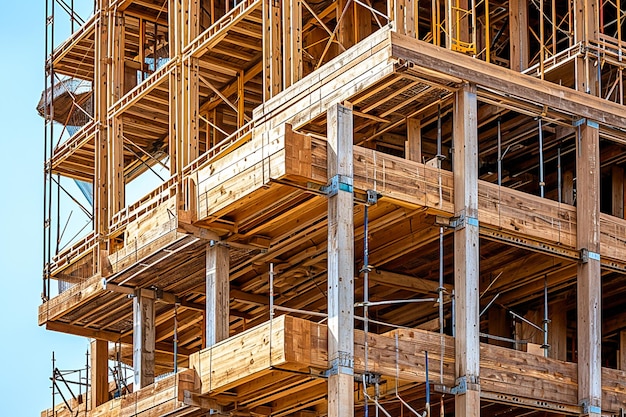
370, 378
459, 388
372, 197
586, 255
590, 409
456, 222
342, 364
336, 184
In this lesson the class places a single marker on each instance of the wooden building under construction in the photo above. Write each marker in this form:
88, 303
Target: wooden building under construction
371, 207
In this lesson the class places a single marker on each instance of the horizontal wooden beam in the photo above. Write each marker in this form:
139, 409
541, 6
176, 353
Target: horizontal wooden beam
507, 82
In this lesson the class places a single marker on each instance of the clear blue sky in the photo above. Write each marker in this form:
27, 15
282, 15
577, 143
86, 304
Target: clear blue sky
25, 350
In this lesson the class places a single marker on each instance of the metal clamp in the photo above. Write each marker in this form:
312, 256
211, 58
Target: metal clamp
590, 409
372, 197
342, 364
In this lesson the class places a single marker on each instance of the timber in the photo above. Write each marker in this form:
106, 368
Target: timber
331, 192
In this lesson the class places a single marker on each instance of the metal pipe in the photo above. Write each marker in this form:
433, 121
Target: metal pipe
175, 338
489, 305
499, 152
427, 384
440, 291
439, 154
386, 302
559, 178
271, 291
546, 347
541, 174
525, 320
366, 301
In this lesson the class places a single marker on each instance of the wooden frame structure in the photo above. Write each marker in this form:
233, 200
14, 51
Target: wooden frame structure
373, 206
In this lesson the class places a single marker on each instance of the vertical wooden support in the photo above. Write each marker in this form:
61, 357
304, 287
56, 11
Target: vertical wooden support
622, 351
340, 264
586, 24
272, 65
292, 41
347, 29
399, 16
499, 325
568, 187
363, 22
617, 185
188, 142
115, 153
143, 340
413, 145
217, 293
466, 250
589, 284
241, 101
557, 330
116, 63
518, 34
411, 17
101, 166
99, 372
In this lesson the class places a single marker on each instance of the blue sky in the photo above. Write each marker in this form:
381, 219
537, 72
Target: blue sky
25, 352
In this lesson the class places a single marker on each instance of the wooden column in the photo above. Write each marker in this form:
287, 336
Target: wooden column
143, 340
617, 185
292, 43
499, 325
217, 293
272, 56
99, 372
413, 145
101, 188
346, 35
589, 285
518, 34
340, 264
115, 153
466, 250
175, 85
568, 187
557, 330
622, 351
189, 118
586, 24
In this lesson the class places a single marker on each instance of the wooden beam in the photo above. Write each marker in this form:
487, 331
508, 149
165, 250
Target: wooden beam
589, 284
99, 372
505, 81
466, 250
340, 264
217, 294
144, 339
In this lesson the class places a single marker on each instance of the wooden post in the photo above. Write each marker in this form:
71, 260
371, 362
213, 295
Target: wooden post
413, 145
586, 24
617, 184
518, 34
189, 142
99, 372
466, 250
292, 43
217, 293
557, 330
347, 29
622, 351
115, 153
589, 284
568, 187
143, 340
272, 65
101, 188
340, 264
499, 325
